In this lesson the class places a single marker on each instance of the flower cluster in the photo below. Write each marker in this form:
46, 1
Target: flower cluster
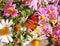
29, 23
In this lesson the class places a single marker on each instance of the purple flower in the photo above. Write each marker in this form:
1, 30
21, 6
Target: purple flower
9, 2
56, 30
47, 28
35, 4
42, 15
9, 9
52, 11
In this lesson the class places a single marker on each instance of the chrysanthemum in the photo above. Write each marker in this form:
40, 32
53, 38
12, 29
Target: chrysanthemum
52, 12
56, 31
56, 35
36, 41
9, 1
47, 28
9, 10
42, 15
5, 31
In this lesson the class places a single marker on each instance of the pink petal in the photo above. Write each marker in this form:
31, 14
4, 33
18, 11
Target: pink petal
6, 14
15, 13
13, 6
9, 2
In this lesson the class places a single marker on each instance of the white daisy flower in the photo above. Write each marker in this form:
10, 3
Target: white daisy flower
5, 31
36, 41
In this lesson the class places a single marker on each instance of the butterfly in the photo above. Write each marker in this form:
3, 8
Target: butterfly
32, 22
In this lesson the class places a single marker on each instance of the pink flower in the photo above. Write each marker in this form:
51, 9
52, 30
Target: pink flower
9, 2
42, 15
9, 10
35, 4
52, 11
56, 30
47, 28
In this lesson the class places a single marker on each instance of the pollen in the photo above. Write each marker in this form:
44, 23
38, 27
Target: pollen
4, 31
10, 10
42, 16
35, 42
49, 11
43, 27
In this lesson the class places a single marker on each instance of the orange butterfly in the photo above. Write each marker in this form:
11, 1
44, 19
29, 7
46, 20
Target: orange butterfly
32, 22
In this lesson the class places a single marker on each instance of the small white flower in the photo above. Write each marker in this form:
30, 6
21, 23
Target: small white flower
36, 41
5, 31
23, 19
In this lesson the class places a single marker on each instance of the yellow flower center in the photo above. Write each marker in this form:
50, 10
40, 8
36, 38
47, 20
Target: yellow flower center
43, 27
42, 16
10, 10
4, 31
35, 42
49, 11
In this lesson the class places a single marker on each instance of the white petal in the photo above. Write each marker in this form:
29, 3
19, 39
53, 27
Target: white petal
10, 23
21, 28
1, 37
35, 36
10, 34
3, 22
26, 43
10, 28
43, 37
7, 22
5, 39
10, 39
1, 26
29, 38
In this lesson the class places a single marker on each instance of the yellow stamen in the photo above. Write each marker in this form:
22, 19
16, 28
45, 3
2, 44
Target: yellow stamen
35, 42
49, 11
4, 31
43, 27
42, 16
10, 10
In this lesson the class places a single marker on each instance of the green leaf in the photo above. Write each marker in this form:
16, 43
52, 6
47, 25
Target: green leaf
10, 44
21, 7
23, 13
47, 20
